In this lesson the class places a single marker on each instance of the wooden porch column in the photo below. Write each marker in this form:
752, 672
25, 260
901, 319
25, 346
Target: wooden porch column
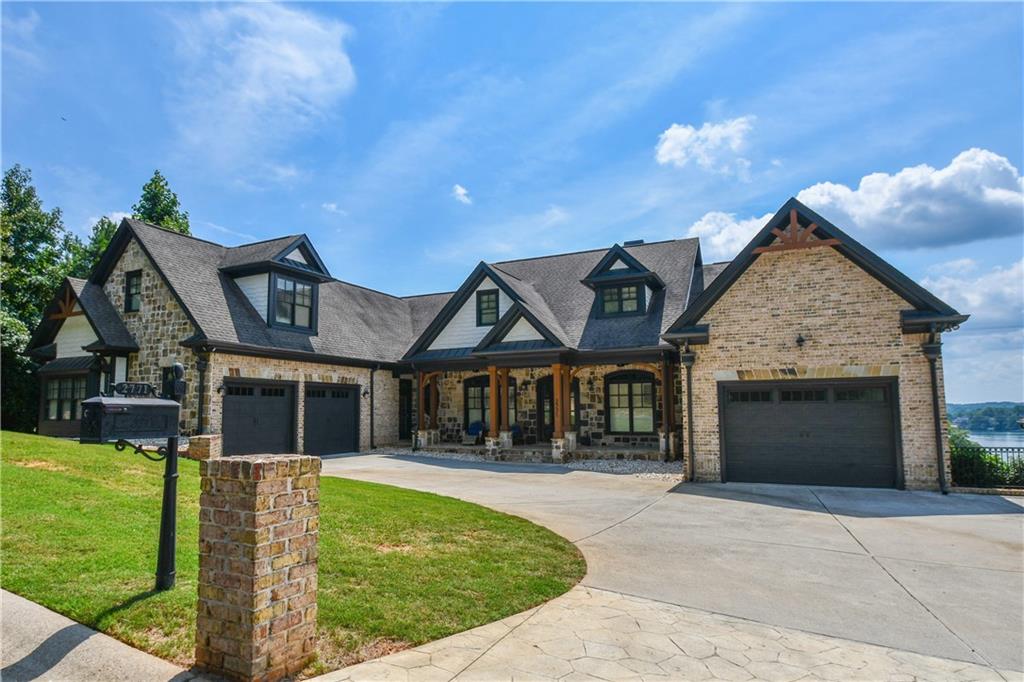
435, 400
566, 398
556, 380
503, 387
668, 418
492, 373
421, 421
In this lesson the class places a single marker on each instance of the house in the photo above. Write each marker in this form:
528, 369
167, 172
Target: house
807, 359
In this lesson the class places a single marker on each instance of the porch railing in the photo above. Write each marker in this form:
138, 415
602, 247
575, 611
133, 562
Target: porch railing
988, 467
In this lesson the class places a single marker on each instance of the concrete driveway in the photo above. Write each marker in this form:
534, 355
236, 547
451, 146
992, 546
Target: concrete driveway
937, 575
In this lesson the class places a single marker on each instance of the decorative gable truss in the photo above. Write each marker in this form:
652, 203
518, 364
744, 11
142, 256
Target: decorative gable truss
795, 226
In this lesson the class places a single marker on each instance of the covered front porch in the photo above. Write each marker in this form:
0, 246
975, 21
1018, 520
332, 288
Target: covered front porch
551, 412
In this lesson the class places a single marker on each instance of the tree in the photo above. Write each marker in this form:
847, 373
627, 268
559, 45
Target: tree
36, 253
159, 205
85, 258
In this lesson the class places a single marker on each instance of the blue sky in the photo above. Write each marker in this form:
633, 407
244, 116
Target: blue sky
411, 141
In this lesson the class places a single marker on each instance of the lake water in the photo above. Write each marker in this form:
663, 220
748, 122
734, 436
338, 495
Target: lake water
999, 439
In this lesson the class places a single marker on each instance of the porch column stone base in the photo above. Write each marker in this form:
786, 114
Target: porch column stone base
493, 445
425, 437
570, 441
505, 439
558, 450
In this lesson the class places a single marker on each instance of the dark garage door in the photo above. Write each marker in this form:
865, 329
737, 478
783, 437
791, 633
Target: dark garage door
810, 434
331, 419
258, 419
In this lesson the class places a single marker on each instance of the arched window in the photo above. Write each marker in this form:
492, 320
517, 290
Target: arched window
629, 402
477, 401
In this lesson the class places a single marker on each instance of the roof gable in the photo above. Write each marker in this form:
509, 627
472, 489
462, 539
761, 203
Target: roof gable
454, 304
618, 265
301, 253
795, 226
77, 297
515, 326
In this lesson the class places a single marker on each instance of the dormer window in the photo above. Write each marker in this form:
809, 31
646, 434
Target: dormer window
627, 299
486, 308
294, 303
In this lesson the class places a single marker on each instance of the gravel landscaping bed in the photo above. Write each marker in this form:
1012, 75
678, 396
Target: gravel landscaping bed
669, 471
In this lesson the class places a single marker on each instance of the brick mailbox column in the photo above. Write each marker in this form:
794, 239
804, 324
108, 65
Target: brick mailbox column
259, 518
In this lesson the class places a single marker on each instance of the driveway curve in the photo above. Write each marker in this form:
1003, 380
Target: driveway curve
921, 572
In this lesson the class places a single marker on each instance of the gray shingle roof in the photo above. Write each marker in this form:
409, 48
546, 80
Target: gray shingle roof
100, 311
556, 280
355, 322
256, 252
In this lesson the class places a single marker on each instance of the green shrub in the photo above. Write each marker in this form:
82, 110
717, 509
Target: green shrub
975, 467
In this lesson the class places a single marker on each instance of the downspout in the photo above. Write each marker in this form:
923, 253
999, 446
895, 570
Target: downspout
687, 359
933, 351
373, 370
202, 364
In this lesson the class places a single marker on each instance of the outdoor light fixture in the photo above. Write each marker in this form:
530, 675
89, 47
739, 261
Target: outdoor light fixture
800, 340
366, 393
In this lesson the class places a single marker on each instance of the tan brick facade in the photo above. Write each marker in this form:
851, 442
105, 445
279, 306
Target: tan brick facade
385, 427
851, 323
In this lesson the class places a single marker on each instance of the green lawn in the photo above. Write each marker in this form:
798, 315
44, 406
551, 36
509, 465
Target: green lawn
397, 567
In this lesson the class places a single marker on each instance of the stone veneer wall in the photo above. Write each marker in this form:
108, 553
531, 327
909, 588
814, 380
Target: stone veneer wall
223, 365
851, 323
591, 418
158, 328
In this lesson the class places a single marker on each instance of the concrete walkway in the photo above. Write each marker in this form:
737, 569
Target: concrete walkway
590, 634
38, 644
913, 572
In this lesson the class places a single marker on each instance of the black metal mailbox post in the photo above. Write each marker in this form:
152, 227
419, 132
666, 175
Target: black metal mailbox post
136, 415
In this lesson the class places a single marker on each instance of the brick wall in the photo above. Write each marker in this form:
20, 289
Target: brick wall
259, 521
591, 418
158, 328
223, 365
851, 324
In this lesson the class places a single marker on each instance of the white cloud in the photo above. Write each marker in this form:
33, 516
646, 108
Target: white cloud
994, 299
228, 231
253, 76
332, 207
19, 38
713, 146
979, 195
958, 266
461, 194
722, 235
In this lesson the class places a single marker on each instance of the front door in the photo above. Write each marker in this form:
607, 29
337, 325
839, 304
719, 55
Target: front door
404, 409
546, 407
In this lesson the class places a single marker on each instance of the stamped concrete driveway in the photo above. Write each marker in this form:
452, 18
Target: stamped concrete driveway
937, 575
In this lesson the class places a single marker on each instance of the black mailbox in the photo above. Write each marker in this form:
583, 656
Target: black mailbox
105, 420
